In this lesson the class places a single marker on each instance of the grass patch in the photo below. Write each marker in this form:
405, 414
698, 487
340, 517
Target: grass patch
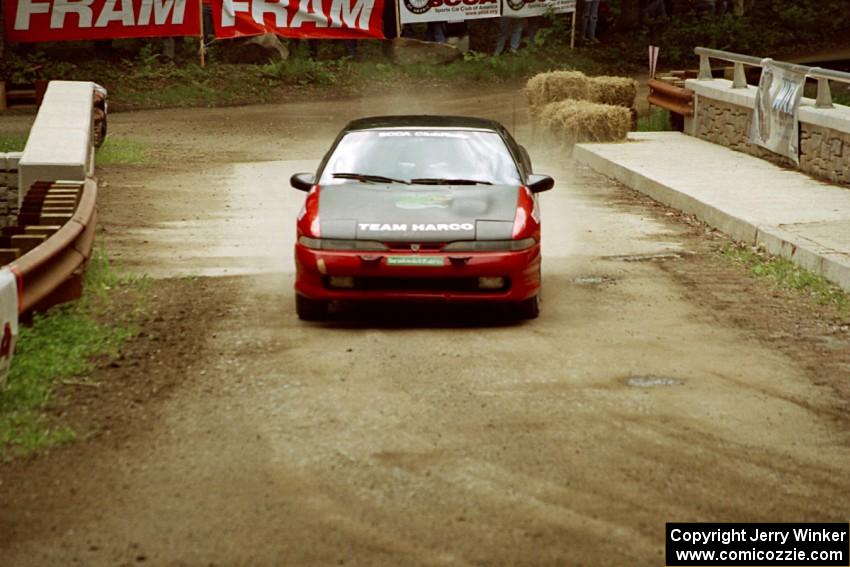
12, 142
119, 151
61, 345
658, 120
787, 275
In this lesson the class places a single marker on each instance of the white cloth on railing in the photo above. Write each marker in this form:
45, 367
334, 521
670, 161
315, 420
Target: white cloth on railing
8, 322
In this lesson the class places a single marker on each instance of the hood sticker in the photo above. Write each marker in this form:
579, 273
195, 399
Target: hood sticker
422, 134
424, 202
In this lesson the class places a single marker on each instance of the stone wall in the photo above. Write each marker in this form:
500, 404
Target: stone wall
825, 153
723, 116
8, 188
728, 124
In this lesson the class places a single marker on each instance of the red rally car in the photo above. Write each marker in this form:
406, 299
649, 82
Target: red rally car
420, 208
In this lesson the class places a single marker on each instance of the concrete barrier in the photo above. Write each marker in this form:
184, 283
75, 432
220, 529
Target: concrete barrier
723, 116
60, 145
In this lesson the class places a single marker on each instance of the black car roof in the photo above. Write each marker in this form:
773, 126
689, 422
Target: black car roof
423, 121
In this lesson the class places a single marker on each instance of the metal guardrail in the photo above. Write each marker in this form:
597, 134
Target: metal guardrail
739, 79
51, 273
673, 98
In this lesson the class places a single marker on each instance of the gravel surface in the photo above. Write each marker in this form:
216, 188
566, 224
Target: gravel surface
659, 384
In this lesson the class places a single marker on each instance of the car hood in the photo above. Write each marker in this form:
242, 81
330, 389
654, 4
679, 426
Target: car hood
417, 213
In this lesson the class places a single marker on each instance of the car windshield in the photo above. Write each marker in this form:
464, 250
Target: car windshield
467, 157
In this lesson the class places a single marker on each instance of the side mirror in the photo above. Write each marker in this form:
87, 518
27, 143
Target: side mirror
302, 181
540, 183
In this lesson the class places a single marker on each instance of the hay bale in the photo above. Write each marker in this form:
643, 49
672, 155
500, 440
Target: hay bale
616, 91
535, 91
563, 85
575, 121
553, 86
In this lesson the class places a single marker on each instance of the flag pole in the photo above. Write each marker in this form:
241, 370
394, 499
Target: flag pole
573, 30
202, 48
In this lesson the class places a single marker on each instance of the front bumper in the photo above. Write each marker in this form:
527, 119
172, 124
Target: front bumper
377, 280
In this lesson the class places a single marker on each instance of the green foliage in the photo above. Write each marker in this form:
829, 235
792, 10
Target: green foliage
840, 94
119, 151
59, 346
769, 27
727, 32
12, 142
787, 275
556, 32
656, 121
24, 70
805, 20
476, 66
302, 71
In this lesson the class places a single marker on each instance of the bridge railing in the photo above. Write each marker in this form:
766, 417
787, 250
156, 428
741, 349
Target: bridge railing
739, 79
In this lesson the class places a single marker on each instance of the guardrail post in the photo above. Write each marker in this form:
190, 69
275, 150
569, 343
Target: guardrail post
824, 99
704, 69
739, 79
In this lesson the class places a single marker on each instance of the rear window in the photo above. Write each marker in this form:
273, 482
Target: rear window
430, 154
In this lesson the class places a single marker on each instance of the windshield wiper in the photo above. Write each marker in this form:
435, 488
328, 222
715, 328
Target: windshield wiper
441, 181
368, 178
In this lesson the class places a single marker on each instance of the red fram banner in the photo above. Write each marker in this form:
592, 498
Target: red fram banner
333, 19
59, 20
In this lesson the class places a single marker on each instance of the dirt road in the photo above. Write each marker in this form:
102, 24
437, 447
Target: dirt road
659, 384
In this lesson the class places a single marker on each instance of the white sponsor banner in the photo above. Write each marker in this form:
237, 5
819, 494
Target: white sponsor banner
530, 8
775, 125
413, 11
8, 322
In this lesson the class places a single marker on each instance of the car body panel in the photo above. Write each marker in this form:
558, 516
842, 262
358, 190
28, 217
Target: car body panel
416, 213
411, 224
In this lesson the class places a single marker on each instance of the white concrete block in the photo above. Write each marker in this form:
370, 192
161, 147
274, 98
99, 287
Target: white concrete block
59, 145
53, 154
721, 89
76, 117
69, 92
837, 118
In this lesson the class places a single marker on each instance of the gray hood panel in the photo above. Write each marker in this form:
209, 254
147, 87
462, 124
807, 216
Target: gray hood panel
417, 213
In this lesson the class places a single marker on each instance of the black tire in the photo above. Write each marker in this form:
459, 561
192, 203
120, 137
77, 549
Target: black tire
528, 309
310, 309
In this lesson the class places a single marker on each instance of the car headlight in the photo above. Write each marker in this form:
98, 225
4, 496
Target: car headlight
339, 244
489, 245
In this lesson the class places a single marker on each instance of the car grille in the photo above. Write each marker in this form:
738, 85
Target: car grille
415, 246
380, 283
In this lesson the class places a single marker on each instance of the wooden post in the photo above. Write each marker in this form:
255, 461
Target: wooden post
202, 48
2, 95
573, 31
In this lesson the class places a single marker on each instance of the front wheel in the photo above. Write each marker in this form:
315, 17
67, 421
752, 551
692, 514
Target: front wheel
310, 309
528, 309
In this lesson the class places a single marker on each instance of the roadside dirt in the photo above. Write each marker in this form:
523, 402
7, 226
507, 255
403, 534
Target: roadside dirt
672, 388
